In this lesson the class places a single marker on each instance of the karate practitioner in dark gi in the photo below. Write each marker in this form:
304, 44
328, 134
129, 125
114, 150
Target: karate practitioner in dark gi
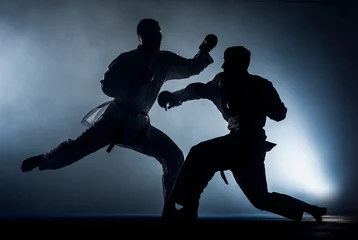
133, 80
245, 100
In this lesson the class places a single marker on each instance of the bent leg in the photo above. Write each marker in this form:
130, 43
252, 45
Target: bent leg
91, 140
202, 162
252, 180
166, 152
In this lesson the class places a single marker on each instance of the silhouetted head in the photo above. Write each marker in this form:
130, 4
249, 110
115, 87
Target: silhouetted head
236, 61
149, 34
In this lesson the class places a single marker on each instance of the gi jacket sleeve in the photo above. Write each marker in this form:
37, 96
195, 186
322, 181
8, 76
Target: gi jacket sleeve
198, 90
275, 108
178, 67
115, 76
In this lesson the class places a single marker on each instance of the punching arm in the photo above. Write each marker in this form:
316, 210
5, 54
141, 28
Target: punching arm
193, 91
181, 68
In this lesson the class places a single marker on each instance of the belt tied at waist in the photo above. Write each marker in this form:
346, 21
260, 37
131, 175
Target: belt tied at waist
117, 135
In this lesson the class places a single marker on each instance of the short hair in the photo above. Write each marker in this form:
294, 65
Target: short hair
239, 54
145, 24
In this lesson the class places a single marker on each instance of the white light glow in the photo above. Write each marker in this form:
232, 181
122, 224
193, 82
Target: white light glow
294, 164
293, 167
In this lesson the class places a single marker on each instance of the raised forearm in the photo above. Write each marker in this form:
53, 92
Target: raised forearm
183, 68
197, 64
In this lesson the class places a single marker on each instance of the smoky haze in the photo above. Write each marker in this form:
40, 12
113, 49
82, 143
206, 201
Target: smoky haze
53, 55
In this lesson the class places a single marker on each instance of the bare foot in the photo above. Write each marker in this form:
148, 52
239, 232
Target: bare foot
318, 212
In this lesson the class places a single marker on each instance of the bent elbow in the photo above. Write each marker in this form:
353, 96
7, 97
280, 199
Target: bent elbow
196, 70
278, 115
280, 118
281, 115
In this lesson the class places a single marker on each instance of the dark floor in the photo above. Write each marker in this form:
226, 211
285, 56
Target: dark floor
244, 227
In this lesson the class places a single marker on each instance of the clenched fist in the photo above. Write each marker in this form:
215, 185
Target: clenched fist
210, 41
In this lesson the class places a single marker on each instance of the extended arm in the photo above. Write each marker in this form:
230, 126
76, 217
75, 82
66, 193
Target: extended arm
180, 68
276, 109
193, 91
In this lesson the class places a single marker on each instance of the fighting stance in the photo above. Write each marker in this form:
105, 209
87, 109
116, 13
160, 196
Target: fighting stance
133, 80
245, 100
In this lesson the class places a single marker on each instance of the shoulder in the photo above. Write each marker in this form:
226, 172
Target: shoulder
129, 54
261, 81
218, 79
125, 57
166, 54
